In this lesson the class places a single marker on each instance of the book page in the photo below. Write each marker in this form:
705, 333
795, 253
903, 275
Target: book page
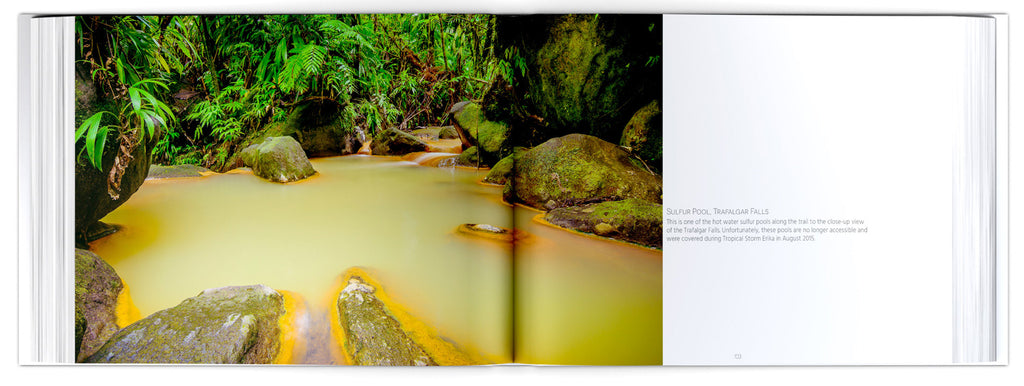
286, 189
808, 188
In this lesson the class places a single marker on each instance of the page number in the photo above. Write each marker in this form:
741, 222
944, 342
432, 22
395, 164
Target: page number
737, 356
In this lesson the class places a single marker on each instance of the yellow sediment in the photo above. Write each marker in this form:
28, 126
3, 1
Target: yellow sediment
539, 219
125, 312
485, 183
338, 351
445, 145
441, 351
292, 344
521, 206
239, 171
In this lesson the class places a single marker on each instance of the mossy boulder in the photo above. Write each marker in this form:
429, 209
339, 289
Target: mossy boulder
642, 135
97, 288
491, 138
434, 133
175, 171
447, 132
396, 142
221, 325
469, 157
426, 133
501, 170
278, 159
582, 73
632, 220
579, 168
93, 197
372, 334
323, 128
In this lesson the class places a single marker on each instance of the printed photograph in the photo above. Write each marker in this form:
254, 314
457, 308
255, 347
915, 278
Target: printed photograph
369, 189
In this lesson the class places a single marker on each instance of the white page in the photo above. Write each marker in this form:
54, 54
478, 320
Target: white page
812, 117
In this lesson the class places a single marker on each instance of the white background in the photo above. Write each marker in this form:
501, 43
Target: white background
813, 117
10, 373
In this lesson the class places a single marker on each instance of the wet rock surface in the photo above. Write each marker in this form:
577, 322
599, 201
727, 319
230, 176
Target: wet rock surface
396, 142
99, 230
92, 199
97, 288
491, 232
578, 168
502, 170
491, 138
372, 335
447, 132
642, 135
278, 159
175, 171
630, 220
220, 325
581, 73
470, 157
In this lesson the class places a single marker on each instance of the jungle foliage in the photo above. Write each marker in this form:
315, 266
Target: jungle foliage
205, 81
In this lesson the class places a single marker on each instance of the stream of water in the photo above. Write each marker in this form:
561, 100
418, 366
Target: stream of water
578, 299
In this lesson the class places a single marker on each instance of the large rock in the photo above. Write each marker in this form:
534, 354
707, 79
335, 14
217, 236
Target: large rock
501, 171
322, 128
447, 132
631, 220
470, 157
578, 168
642, 135
92, 198
278, 159
579, 73
221, 325
97, 293
491, 138
396, 142
175, 171
372, 334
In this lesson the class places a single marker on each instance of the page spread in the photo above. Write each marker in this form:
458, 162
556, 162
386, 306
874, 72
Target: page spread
470, 189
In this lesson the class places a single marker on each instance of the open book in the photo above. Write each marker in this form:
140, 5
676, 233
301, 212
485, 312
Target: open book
485, 189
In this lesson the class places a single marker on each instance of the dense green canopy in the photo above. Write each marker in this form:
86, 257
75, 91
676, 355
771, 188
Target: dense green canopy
206, 80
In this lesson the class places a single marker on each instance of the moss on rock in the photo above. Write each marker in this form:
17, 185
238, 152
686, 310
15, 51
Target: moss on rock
175, 171
580, 73
447, 132
278, 159
642, 135
97, 288
632, 220
220, 325
501, 170
469, 157
579, 168
491, 138
396, 142
372, 335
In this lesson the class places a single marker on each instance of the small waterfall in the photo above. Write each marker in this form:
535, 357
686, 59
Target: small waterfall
365, 140
432, 159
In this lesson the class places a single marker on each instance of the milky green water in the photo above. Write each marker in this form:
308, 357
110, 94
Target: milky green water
588, 300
